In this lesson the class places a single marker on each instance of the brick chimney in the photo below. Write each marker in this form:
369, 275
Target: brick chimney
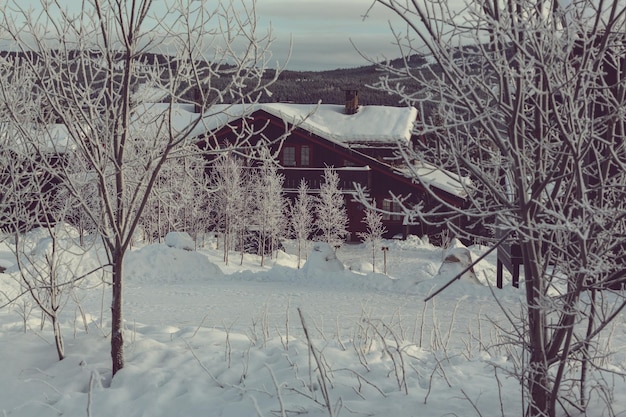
352, 101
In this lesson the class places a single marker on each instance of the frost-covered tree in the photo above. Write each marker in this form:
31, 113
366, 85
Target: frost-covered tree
196, 217
269, 203
301, 217
531, 99
27, 203
243, 236
33, 210
44, 268
178, 199
94, 69
229, 190
374, 233
330, 210
85, 191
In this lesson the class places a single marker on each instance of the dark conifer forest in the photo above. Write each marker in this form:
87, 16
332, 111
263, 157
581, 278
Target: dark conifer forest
329, 86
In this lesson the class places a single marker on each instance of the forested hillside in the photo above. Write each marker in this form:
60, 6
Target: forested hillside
304, 87
328, 86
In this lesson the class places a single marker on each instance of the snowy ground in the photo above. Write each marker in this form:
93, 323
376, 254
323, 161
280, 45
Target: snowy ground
208, 339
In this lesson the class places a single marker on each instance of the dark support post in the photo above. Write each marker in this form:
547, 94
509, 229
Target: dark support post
509, 257
385, 249
514, 273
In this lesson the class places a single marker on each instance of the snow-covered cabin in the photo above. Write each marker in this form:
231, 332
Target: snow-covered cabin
361, 145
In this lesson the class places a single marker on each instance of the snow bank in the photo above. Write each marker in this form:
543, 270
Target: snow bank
235, 347
322, 259
180, 240
160, 263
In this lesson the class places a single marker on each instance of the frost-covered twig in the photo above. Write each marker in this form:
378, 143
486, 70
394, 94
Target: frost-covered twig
89, 393
398, 364
322, 373
204, 368
228, 349
278, 392
367, 381
452, 320
473, 404
343, 347
199, 326
432, 374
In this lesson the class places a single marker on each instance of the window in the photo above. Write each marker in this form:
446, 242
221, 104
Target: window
289, 156
390, 206
305, 153
296, 156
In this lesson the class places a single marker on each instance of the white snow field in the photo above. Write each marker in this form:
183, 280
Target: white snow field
206, 339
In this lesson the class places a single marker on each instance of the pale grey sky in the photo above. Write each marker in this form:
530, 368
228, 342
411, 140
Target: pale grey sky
320, 30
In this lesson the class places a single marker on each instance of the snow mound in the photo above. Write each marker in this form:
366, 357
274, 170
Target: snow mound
285, 259
180, 240
410, 242
362, 266
38, 241
161, 263
457, 259
323, 259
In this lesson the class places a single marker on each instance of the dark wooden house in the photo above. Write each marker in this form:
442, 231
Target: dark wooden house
360, 143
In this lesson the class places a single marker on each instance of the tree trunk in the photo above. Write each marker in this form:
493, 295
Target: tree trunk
299, 252
58, 338
539, 388
261, 240
117, 324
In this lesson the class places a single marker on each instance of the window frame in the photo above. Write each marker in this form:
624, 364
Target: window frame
391, 206
301, 157
292, 156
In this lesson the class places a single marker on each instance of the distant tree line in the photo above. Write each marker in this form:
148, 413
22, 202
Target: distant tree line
305, 87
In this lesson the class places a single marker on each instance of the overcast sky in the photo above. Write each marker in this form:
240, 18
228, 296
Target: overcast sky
321, 31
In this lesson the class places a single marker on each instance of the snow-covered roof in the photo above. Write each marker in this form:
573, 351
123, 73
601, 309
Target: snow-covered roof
379, 124
183, 117
430, 175
369, 124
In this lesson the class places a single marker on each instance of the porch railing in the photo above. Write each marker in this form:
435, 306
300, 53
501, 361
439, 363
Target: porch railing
348, 177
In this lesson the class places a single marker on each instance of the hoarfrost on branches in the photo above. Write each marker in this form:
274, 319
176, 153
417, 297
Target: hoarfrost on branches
330, 210
93, 74
527, 99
